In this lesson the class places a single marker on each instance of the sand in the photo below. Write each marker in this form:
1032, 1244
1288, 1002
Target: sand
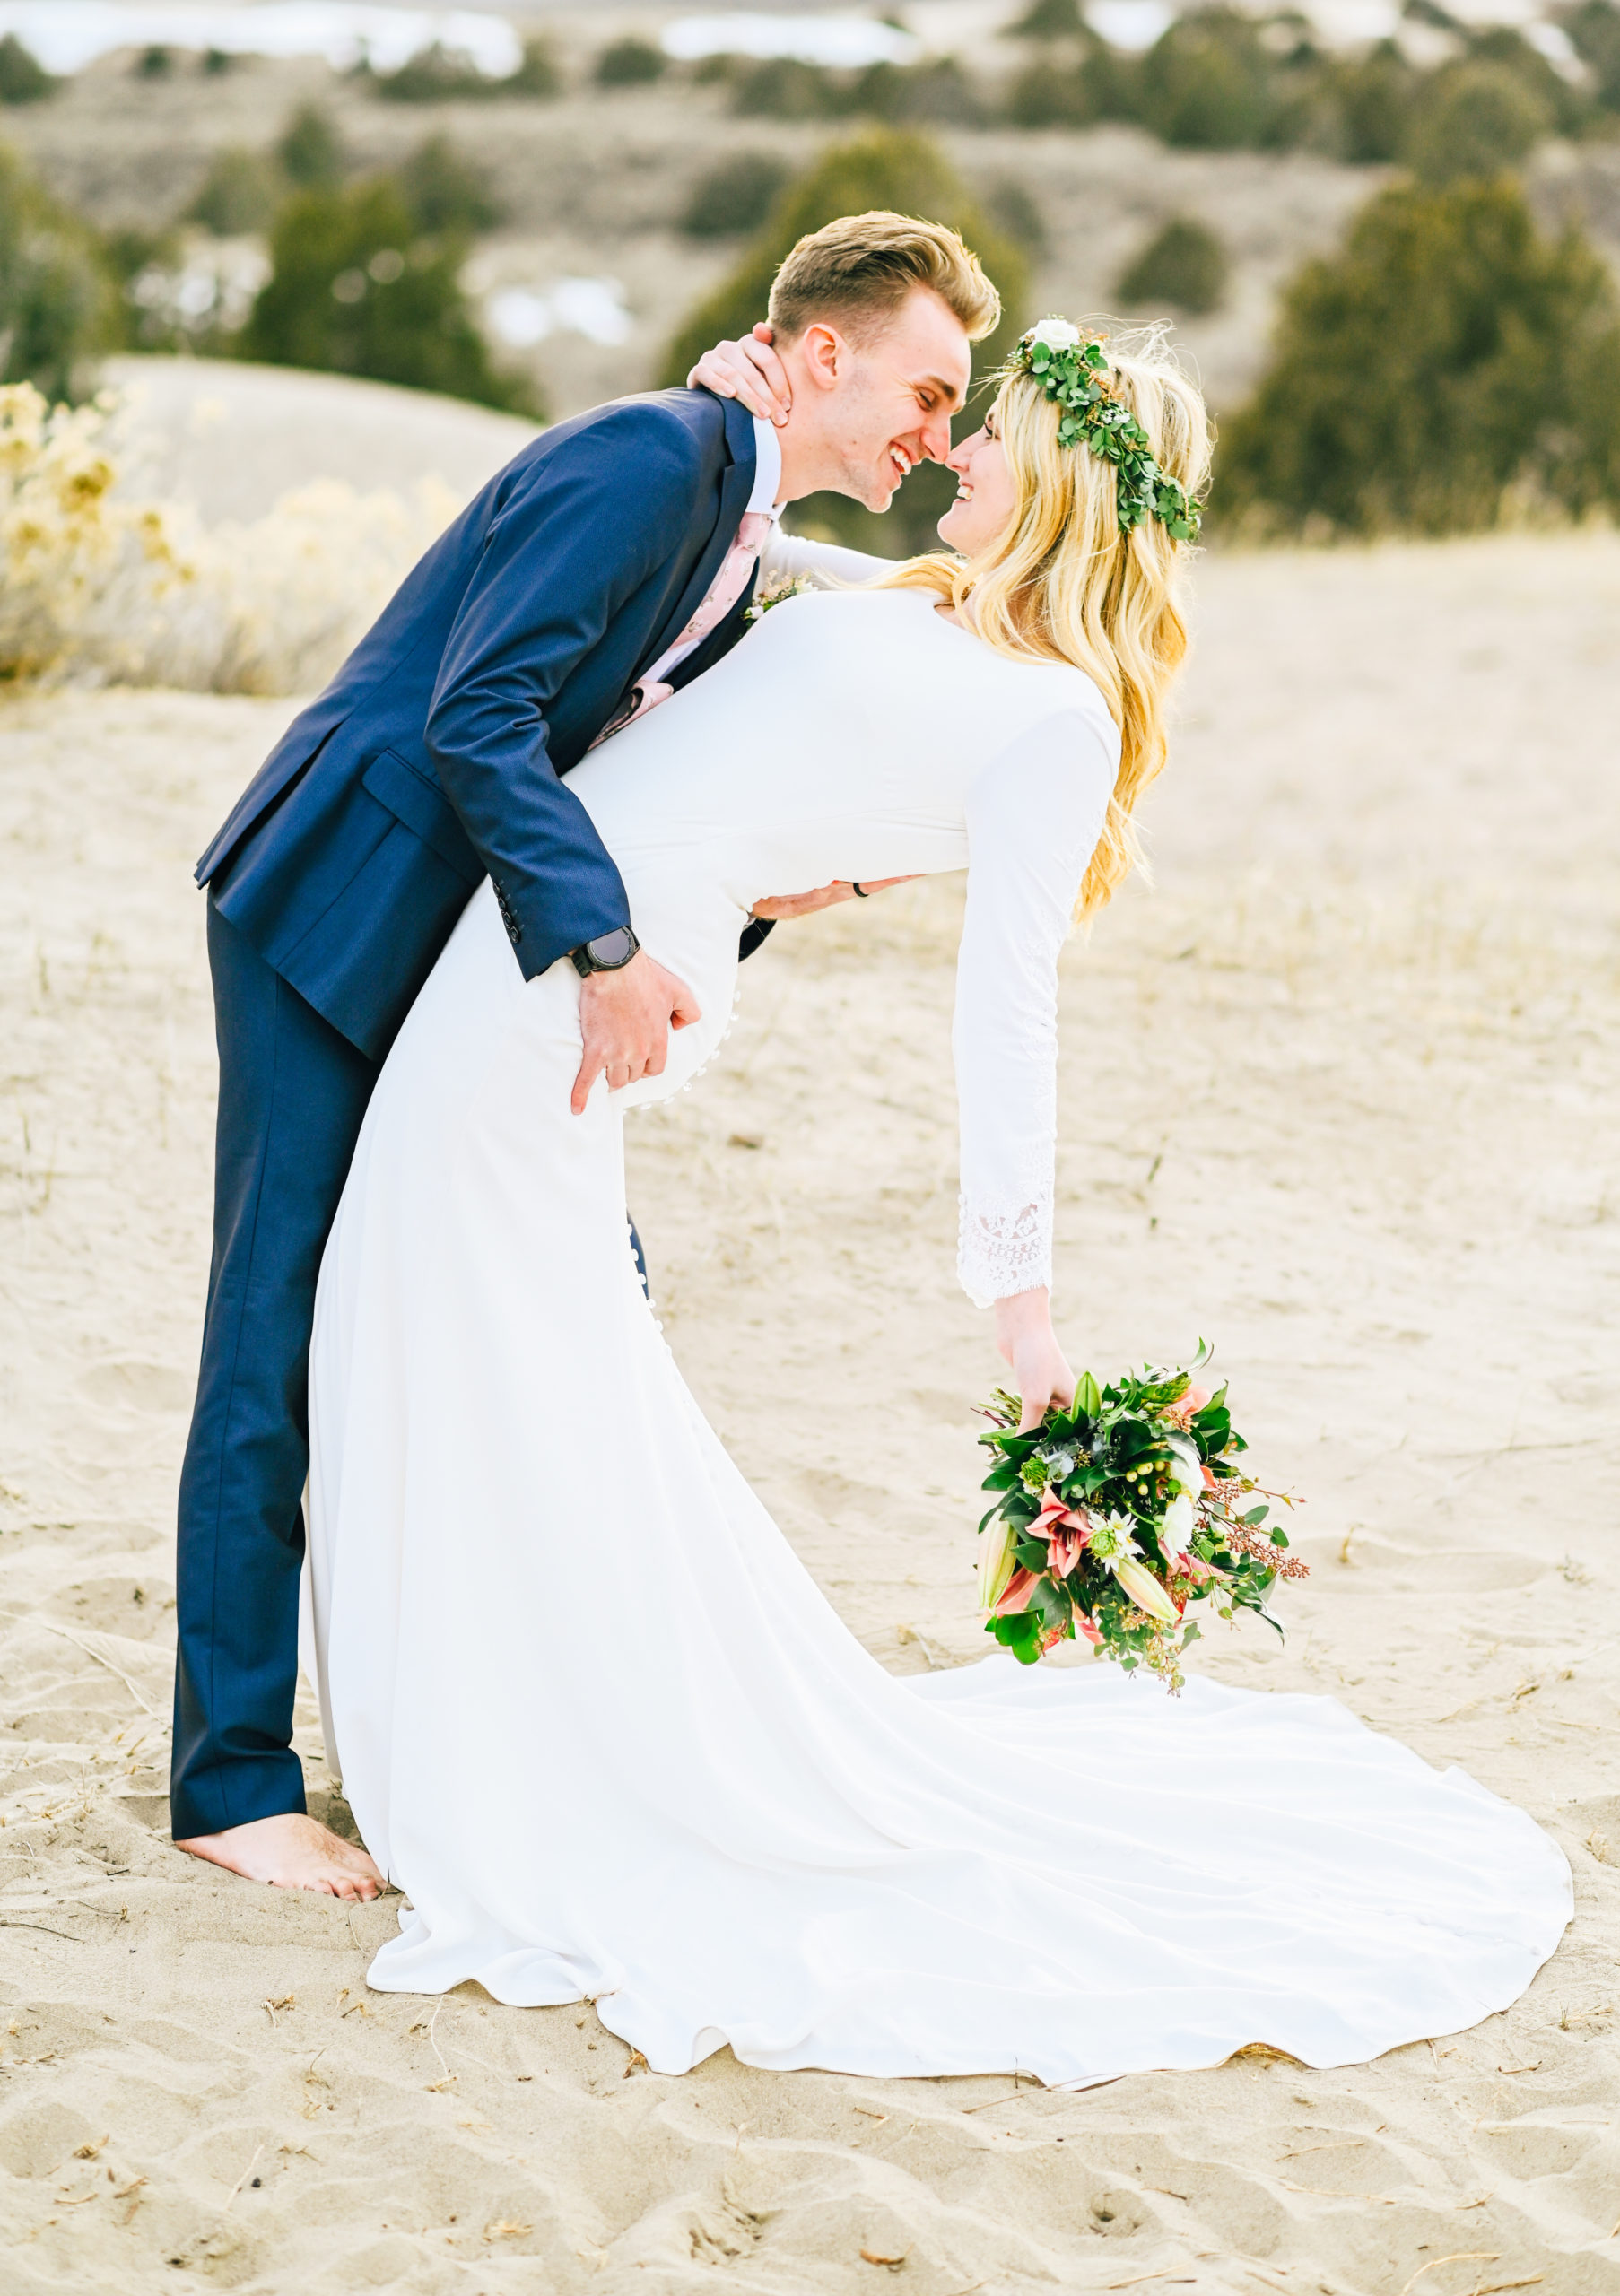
1342, 1094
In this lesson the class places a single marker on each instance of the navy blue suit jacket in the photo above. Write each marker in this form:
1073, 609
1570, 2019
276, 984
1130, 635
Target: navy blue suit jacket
440, 749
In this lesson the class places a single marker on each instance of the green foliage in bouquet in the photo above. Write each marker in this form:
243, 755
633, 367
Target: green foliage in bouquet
1112, 1518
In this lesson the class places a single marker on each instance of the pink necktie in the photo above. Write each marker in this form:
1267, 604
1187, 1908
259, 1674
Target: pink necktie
722, 594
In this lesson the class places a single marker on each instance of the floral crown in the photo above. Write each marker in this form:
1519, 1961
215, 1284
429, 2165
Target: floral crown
1075, 374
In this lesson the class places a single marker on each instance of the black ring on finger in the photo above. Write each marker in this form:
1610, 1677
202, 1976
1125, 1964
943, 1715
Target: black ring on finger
860, 891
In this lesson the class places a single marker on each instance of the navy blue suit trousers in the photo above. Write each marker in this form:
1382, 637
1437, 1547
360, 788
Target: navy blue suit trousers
292, 1092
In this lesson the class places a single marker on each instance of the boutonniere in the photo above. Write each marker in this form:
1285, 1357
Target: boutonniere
775, 592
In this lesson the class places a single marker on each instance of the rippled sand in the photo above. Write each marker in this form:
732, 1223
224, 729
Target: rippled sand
1342, 1094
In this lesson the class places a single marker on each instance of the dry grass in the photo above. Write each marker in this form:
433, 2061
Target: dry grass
100, 589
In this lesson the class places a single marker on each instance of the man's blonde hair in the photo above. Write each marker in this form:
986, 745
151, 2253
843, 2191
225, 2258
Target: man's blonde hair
856, 273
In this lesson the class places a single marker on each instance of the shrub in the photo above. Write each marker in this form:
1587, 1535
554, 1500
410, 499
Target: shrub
1208, 83
1184, 265
24, 78
783, 88
1473, 119
434, 75
884, 168
445, 192
1047, 20
735, 197
104, 590
1100, 84
1449, 354
356, 289
629, 63
309, 152
1015, 214
57, 304
153, 64
538, 75
1567, 107
939, 90
238, 194
1594, 29
1371, 98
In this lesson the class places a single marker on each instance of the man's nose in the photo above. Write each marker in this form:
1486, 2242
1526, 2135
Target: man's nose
936, 437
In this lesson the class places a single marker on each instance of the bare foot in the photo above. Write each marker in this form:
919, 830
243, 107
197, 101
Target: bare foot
290, 1853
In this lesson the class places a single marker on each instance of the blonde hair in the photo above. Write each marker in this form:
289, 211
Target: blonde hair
1062, 584
861, 268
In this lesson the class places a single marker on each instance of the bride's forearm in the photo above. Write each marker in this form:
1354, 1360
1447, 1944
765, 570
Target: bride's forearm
1027, 1342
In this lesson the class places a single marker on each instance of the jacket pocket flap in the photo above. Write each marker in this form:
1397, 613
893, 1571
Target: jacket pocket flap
424, 810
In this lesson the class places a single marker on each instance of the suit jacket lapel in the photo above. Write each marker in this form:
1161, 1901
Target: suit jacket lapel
736, 484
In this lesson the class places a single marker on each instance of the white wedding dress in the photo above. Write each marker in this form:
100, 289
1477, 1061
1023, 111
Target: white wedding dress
593, 1716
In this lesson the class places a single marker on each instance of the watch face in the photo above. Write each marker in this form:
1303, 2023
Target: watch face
611, 950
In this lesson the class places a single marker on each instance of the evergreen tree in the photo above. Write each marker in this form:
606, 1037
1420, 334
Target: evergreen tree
308, 153
1185, 266
1448, 353
24, 78
56, 304
355, 289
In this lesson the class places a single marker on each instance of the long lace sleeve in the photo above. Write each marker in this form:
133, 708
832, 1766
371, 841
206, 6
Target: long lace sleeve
1033, 815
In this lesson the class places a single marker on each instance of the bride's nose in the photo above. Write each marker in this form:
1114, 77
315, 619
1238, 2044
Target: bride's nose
960, 456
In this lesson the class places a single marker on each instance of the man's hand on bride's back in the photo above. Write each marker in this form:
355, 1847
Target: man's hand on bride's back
625, 1018
781, 906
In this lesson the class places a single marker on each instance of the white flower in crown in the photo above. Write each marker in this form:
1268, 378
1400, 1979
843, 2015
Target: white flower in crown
1056, 335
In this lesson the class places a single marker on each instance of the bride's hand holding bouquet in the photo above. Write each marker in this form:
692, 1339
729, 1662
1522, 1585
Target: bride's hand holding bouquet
1119, 1507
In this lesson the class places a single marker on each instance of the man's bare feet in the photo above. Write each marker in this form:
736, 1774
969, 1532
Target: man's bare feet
290, 1853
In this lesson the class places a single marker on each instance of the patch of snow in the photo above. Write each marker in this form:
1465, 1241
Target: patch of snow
65, 35
842, 41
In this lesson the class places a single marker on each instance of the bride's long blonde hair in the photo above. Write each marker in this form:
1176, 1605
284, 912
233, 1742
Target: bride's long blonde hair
1061, 583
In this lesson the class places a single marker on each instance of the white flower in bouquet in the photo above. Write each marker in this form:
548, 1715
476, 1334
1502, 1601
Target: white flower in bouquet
1176, 1527
1058, 334
1186, 1475
1111, 1541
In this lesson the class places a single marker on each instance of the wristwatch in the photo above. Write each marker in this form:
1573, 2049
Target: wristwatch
608, 952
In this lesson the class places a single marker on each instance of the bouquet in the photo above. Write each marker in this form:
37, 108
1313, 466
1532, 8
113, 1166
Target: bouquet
1116, 1515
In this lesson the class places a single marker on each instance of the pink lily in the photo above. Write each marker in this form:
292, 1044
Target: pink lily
1064, 1549
1067, 1528
1016, 1596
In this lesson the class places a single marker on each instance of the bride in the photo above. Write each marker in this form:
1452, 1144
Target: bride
593, 1717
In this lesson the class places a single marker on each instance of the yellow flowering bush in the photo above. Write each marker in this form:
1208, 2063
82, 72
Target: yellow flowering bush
97, 588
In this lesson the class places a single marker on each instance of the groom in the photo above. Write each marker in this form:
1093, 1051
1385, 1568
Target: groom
608, 565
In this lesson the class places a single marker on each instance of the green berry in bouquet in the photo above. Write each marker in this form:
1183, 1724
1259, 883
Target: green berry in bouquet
1116, 1517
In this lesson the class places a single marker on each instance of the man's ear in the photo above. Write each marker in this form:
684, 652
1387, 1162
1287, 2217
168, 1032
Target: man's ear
826, 356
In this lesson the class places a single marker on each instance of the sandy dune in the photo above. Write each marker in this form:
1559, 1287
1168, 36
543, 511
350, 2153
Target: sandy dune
1343, 1094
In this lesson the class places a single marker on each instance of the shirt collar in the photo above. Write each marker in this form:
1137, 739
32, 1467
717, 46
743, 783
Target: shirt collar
767, 468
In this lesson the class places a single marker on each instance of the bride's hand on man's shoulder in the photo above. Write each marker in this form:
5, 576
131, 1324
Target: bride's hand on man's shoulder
779, 907
749, 370
1026, 1342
